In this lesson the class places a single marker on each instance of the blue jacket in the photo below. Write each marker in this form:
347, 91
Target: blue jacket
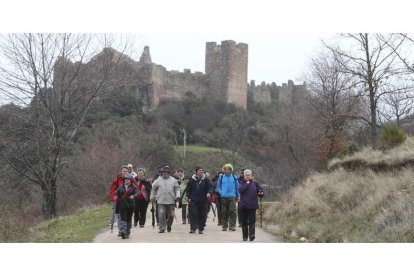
228, 186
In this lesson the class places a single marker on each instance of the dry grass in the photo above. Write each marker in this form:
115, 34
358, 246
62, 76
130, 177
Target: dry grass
344, 206
393, 157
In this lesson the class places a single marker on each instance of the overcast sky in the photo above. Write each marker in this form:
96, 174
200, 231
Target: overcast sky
277, 57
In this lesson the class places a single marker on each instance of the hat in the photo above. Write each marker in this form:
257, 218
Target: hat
166, 169
228, 166
198, 168
129, 166
128, 176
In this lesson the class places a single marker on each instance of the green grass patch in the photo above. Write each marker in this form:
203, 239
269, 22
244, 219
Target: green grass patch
76, 228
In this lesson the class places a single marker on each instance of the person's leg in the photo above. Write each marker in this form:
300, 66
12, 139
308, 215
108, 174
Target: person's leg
238, 215
170, 216
118, 217
162, 211
143, 212
184, 213
202, 217
193, 216
129, 211
123, 222
252, 223
243, 218
225, 213
218, 205
136, 213
232, 213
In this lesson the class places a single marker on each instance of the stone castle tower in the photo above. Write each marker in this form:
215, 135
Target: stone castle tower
226, 69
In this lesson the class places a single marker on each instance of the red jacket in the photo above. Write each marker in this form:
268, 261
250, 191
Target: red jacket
118, 181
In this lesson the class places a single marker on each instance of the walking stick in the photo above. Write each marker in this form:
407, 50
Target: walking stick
153, 215
261, 211
113, 217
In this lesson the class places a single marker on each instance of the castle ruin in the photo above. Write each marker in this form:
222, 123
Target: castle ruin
225, 78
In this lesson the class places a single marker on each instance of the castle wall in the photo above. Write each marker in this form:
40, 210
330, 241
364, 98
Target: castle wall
177, 84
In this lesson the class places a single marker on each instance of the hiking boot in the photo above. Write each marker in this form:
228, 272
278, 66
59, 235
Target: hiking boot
119, 234
141, 226
127, 236
252, 237
232, 229
244, 239
219, 224
162, 231
135, 224
192, 231
168, 228
200, 231
224, 229
123, 236
184, 222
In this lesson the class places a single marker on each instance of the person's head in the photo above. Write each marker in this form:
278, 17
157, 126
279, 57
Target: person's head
165, 172
176, 174
127, 179
247, 174
124, 170
141, 173
220, 174
199, 171
228, 169
129, 167
180, 173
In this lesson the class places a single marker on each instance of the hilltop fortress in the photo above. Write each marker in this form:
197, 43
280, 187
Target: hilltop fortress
225, 78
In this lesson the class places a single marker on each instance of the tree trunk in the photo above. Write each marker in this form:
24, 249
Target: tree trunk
373, 125
49, 203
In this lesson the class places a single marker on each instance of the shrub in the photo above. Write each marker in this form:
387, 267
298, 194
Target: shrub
392, 136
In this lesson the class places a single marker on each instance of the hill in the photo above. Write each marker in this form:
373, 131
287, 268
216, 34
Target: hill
368, 197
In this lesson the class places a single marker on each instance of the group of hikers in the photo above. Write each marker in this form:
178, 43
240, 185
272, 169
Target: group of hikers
131, 193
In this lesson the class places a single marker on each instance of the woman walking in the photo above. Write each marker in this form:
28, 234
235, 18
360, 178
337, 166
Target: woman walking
249, 191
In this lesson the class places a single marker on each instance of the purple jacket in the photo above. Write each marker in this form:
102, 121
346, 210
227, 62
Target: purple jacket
248, 194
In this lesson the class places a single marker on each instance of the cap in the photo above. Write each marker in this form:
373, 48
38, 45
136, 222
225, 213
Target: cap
129, 166
128, 176
166, 169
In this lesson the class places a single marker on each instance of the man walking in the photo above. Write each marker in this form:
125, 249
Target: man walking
198, 193
165, 191
228, 188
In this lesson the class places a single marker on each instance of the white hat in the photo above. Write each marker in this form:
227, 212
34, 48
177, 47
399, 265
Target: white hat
129, 166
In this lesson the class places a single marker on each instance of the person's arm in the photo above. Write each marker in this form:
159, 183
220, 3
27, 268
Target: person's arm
189, 190
154, 190
112, 190
237, 189
208, 188
259, 190
176, 189
219, 182
243, 187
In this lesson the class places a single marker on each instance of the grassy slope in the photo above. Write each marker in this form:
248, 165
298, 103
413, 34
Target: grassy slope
79, 227
211, 159
356, 206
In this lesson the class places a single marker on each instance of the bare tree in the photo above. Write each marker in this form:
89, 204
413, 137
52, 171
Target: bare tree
372, 59
55, 82
231, 135
334, 101
397, 106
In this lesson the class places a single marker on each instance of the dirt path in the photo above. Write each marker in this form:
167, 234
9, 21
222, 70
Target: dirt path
180, 234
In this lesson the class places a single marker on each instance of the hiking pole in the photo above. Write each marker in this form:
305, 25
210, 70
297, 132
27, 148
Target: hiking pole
113, 217
153, 215
261, 211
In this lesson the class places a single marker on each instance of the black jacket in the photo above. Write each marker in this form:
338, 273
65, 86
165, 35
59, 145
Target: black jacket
197, 189
123, 199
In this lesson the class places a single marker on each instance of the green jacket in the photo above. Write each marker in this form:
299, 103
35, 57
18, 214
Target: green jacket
183, 186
